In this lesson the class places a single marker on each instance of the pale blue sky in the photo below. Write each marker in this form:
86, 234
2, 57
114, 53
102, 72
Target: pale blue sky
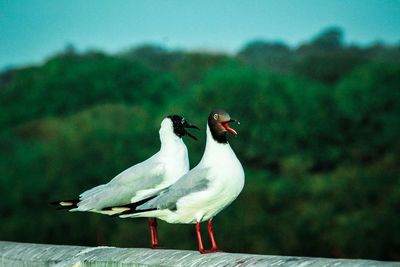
31, 30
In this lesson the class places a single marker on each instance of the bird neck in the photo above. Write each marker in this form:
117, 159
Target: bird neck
214, 150
169, 140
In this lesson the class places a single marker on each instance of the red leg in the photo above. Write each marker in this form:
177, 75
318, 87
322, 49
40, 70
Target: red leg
214, 245
201, 248
153, 233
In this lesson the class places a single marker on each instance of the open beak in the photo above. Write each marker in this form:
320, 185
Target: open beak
226, 126
188, 125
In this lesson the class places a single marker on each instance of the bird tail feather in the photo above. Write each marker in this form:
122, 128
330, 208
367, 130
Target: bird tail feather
65, 204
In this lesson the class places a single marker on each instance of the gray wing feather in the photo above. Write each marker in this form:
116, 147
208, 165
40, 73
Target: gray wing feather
123, 187
194, 181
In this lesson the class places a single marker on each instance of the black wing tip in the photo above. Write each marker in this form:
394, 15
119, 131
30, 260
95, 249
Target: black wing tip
131, 207
65, 204
116, 214
131, 212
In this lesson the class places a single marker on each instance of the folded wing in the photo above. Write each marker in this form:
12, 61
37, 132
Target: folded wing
192, 182
133, 184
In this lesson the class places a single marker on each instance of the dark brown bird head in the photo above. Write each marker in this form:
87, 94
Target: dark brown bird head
218, 122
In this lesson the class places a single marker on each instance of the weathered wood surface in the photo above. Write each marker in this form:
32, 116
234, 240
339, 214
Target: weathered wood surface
26, 254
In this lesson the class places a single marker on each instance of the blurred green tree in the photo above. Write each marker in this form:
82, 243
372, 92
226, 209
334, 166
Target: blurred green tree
266, 55
318, 140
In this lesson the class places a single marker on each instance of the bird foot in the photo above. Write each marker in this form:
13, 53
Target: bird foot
213, 250
156, 247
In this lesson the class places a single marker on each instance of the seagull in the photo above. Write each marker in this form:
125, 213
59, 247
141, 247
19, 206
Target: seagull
142, 181
205, 190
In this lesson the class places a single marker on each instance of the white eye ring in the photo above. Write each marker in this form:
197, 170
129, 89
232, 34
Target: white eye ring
183, 121
215, 116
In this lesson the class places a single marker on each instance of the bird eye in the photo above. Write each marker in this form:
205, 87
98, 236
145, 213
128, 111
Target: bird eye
183, 121
215, 116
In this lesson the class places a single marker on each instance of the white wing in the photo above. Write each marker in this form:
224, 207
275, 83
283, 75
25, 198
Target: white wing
146, 175
194, 181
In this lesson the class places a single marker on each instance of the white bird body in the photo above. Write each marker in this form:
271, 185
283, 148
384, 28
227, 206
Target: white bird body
204, 191
143, 179
201, 193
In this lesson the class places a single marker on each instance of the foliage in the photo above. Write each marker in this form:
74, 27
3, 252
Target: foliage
68, 83
274, 56
318, 140
154, 56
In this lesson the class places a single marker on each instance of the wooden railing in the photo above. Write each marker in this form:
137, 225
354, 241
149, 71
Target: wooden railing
27, 254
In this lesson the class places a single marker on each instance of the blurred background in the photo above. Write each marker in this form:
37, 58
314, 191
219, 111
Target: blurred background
316, 86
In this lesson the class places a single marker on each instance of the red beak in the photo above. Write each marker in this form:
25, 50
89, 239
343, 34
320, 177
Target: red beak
226, 126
